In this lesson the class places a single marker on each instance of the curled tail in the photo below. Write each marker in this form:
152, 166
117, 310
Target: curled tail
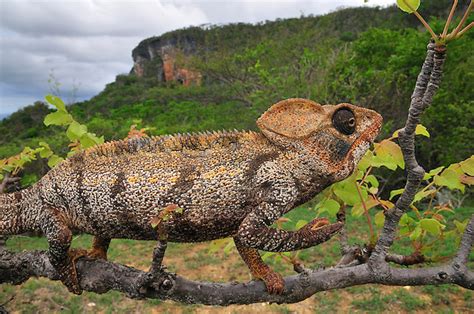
13, 218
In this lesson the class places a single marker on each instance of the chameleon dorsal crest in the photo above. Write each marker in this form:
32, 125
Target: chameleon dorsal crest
294, 118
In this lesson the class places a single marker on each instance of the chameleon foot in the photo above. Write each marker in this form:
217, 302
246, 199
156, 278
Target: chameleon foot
274, 282
67, 271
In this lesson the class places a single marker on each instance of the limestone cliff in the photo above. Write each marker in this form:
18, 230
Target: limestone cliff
165, 58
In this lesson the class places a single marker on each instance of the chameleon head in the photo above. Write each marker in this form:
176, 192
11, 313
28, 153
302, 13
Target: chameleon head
335, 136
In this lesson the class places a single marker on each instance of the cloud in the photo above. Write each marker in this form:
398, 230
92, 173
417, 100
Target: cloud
88, 42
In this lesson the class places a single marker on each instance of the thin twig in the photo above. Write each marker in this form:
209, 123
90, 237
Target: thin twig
451, 14
461, 23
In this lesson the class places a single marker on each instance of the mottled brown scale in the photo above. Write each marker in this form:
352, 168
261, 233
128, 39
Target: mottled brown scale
228, 184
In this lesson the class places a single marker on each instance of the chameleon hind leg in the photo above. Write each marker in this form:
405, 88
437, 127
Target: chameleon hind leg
61, 257
273, 280
100, 246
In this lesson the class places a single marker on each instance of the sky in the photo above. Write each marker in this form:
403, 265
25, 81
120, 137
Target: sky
83, 44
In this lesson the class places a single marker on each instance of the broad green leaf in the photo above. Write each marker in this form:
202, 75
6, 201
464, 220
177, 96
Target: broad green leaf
75, 131
54, 160
408, 6
432, 173
358, 209
461, 226
416, 233
449, 178
372, 180
346, 190
379, 219
45, 152
422, 194
467, 166
88, 140
394, 193
56, 102
58, 118
389, 152
421, 130
431, 225
300, 224
406, 220
331, 206
366, 161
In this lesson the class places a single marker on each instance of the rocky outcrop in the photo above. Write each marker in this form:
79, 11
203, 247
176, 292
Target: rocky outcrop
165, 58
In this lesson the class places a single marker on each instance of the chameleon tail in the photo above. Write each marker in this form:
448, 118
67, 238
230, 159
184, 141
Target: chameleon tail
13, 219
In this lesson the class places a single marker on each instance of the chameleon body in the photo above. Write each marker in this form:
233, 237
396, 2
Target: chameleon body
226, 184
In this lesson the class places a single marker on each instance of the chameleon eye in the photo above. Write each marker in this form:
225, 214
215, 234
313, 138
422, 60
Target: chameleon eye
344, 121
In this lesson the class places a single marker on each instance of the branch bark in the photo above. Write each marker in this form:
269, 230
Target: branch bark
101, 276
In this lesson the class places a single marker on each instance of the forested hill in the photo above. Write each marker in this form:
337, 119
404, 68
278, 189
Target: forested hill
224, 77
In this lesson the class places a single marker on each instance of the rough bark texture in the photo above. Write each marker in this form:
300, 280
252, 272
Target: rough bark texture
358, 266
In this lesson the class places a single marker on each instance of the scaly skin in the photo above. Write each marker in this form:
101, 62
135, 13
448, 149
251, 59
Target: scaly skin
229, 184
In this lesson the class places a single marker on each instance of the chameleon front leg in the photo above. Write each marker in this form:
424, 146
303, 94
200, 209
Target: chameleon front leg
273, 280
61, 257
255, 231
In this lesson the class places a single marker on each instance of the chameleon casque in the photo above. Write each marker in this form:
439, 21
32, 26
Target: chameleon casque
228, 184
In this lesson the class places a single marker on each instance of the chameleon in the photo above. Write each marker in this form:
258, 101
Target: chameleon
225, 183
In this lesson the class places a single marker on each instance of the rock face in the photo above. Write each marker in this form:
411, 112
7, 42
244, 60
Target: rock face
164, 58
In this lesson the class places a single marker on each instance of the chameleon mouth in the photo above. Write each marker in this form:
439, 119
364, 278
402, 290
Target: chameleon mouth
362, 143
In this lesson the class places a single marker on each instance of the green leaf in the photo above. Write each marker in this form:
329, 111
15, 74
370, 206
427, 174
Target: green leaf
416, 233
88, 140
56, 102
379, 219
406, 220
422, 194
421, 130
300, 224
389, 154
431, 225
394, 193
366, 161
432, 173
358, 209
54, 160
449, 178
372, 180
76, 131
461, 226
346, 190
58, 118
331, 206
408, 6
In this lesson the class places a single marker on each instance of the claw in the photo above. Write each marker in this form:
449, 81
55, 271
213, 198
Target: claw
274, 282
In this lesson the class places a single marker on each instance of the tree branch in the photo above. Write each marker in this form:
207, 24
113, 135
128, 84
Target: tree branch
101, 276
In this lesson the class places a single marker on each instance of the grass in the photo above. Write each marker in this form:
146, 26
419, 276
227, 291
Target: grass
195, 261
